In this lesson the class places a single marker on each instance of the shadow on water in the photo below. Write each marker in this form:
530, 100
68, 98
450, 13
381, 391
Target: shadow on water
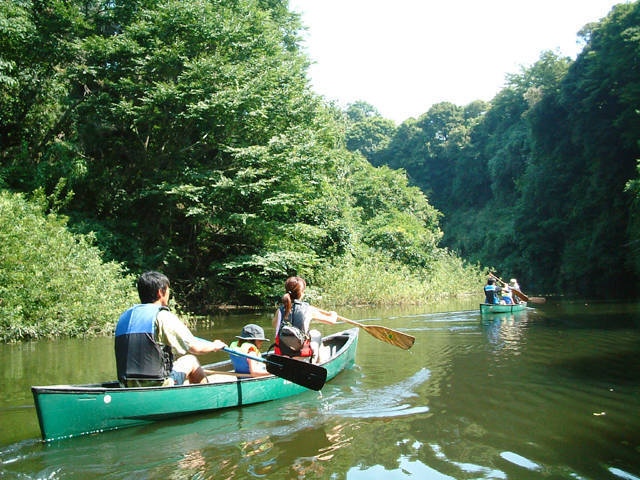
619, 368
589, 315
593, 335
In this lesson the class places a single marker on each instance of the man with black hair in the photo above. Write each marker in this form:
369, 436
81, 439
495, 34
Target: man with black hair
148, 333
491, 292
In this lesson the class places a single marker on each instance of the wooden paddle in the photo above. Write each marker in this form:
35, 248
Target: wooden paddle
388, 335
305, 374
519, 293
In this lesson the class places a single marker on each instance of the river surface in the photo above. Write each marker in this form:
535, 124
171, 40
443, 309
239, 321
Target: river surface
549, 393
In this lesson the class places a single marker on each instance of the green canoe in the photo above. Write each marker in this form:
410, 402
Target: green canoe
70, 410
487, 308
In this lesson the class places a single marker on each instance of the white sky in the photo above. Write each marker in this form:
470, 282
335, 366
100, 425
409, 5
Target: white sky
402, 56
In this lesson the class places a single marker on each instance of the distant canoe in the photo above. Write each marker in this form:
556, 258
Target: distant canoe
71, 410
488, 309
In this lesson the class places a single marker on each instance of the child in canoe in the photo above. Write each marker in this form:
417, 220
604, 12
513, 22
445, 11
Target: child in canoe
249, 342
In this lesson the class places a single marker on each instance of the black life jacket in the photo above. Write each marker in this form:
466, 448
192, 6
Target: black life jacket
491, 294
138, 355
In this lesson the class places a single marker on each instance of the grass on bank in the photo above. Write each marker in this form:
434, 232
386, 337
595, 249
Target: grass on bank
374, 280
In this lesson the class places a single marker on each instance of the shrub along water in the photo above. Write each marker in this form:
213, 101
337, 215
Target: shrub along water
375, 280
53, 282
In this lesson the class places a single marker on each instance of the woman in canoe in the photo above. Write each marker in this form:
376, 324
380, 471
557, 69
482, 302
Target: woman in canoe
292, 321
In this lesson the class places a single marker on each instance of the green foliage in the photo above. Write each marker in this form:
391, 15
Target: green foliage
183, 136
53, 283
586, 134
534, 181
350, 280
633, 188
367, 133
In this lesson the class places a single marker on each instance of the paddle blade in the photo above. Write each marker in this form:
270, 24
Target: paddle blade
394, 337
301, 373
518, 293
537, 299
388, 335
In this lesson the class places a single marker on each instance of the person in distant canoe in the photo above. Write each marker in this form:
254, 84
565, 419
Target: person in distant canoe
249, 342
147, 334
506, 295
514, 286
292, 320
491, 292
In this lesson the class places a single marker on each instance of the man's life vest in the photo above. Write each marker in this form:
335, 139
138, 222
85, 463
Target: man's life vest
490, 293
138, 355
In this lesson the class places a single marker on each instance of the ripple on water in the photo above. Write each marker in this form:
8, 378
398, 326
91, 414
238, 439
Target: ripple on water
622, 474
389, 401
520, 461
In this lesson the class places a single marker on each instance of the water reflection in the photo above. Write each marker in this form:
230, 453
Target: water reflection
520, 461
622, 474
257, 442
505, 331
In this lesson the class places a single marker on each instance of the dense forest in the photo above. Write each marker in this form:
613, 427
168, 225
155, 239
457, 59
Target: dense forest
184, 137
541, 180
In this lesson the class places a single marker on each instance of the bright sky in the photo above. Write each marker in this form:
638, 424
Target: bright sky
402, 56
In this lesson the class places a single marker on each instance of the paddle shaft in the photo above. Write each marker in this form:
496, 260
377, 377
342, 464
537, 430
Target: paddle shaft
385, 334
246, 355
233, 374
240, 354
517, 292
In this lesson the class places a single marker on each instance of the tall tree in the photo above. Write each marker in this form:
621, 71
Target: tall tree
587, 137
186, 137
367, 131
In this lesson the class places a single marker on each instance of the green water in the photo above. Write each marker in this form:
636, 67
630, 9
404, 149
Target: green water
549, 393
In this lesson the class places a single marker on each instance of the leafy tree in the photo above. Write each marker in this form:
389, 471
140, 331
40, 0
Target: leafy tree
495, 169
633, 188
471, 182
587, 136
185, 138
181, 118
397, 218
367, 131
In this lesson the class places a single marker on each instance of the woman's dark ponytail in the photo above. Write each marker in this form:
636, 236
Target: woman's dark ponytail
294, 287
